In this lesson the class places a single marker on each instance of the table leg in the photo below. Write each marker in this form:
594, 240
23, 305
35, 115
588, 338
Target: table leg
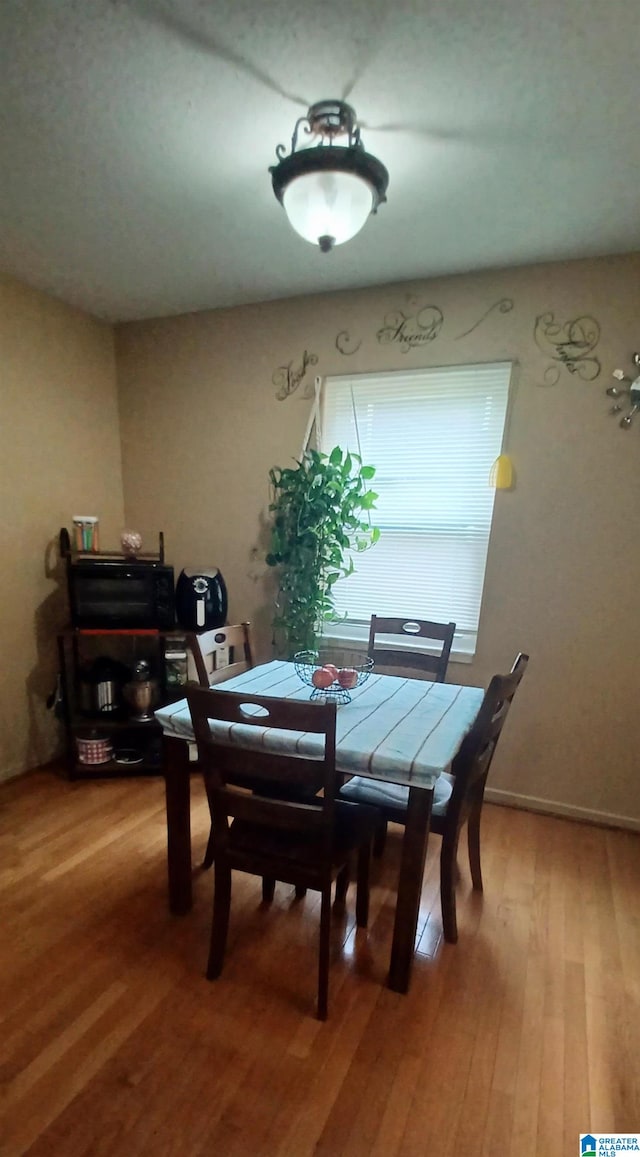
414, 853
176, 770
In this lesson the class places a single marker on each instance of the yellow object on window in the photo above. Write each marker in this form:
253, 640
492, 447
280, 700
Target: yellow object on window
501, 473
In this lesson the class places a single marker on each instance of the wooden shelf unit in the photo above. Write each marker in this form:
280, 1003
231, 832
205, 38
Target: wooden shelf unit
69, 551
77, 649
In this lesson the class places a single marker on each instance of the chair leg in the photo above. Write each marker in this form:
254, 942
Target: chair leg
268, 889
380, 839
448, 867
342, 884
220, 922
362, 894
324, 955
208, 855
473, 838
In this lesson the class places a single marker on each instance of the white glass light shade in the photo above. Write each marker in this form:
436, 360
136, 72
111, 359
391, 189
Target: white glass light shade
328, 204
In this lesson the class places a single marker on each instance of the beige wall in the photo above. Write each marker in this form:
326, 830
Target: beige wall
60, 455
201, 426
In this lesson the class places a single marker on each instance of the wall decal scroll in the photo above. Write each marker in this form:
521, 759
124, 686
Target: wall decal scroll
411, 332
570, 345
345, 343
287, 379
505, 305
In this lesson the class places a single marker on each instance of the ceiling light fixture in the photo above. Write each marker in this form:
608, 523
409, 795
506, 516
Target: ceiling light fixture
328, 190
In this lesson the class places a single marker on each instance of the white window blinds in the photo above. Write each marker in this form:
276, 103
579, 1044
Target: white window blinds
432, 436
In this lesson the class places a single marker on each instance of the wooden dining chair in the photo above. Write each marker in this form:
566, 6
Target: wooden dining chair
221, 653
218, 655
309, 845
458, 797
432, 662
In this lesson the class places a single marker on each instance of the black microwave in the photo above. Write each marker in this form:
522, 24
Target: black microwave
112, 593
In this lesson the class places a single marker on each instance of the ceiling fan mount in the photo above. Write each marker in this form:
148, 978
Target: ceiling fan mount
332, 118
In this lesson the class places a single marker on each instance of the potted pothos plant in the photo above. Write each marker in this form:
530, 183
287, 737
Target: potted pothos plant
320, 514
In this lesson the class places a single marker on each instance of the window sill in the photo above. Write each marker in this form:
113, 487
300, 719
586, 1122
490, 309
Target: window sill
356, 635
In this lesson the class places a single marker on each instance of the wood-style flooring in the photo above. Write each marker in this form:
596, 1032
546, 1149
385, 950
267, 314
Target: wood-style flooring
514, 1041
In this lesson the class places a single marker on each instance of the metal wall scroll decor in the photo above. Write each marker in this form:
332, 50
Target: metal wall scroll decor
287, 378
630, 389
346, 345
505, 305
411, 332
570, 345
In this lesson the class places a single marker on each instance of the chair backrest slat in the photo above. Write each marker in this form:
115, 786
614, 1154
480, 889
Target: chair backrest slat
266, 767
285, 815
411, 629
208, 649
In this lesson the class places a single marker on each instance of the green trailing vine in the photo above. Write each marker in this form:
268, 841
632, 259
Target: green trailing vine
321, 513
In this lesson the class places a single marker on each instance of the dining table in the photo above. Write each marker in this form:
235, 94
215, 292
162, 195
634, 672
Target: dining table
394, 729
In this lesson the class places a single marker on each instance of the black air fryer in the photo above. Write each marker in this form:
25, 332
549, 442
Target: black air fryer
201, 599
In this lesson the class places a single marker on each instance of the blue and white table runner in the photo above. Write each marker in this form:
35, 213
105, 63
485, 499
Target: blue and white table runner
403, 731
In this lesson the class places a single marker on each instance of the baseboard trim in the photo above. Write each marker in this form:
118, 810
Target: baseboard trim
565, 810
57, 763
8, 774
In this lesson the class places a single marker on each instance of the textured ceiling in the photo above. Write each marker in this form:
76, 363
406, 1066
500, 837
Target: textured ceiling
135, 138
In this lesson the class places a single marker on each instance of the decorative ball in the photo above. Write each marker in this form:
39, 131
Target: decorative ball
131, 543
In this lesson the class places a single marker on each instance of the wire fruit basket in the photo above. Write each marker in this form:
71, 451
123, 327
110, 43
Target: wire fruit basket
332, 674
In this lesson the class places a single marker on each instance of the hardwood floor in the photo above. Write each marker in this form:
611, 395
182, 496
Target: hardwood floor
514, 1041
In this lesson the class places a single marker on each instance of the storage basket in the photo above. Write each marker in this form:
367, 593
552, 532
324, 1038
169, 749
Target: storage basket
94, 749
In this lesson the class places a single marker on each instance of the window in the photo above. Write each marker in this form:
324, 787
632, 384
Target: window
433, 436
